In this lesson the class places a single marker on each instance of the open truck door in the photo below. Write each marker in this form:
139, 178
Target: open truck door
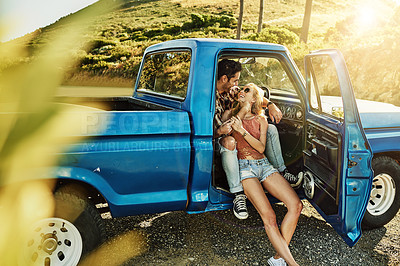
337, 155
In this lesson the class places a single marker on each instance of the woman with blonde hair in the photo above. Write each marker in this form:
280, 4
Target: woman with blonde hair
257, 174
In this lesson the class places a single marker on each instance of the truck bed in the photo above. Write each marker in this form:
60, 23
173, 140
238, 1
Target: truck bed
113, 103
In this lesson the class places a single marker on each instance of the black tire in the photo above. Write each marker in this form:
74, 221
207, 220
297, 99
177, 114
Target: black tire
89, 222
75, 229
384, 202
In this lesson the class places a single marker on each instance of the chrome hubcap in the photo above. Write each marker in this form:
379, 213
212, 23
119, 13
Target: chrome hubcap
382, 196
54, 241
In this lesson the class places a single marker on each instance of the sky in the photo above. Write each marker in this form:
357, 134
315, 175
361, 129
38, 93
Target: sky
18, 17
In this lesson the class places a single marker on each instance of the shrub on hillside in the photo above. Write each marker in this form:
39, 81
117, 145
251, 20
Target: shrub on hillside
138, 36
195, 34
226, 21
99, 66
172, 29
98, 43
216, 29
120, 52
275, 35
247, 28
164, 37
150, 33
91, 59
199, 21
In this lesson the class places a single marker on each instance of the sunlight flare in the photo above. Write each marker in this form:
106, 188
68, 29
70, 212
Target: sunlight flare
366, 18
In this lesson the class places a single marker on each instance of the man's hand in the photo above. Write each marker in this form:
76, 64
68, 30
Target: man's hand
225, 128
274, 113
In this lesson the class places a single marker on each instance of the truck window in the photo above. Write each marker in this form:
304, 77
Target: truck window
325, 95
166, 74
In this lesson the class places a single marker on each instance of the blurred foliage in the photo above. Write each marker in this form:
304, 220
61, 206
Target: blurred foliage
34, 129
30, 128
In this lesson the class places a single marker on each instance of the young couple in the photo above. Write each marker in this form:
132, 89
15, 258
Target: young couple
243, 135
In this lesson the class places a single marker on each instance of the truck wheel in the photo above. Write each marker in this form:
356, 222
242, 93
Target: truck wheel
74, 231
384, 201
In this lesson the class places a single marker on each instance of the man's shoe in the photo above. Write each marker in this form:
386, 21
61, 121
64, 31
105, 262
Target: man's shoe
293, 180
276, 262
239, 207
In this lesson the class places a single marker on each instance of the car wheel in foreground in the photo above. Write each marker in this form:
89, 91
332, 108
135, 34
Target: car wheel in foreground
74, 231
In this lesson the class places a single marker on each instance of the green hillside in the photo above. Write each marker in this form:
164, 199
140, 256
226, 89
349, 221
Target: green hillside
109, 52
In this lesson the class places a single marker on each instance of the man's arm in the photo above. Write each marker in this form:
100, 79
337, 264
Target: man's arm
225, 128
274, 112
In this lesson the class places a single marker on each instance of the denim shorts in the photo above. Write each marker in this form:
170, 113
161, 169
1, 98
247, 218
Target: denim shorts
260, 169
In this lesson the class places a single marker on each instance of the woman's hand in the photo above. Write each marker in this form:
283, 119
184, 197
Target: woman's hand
237, 124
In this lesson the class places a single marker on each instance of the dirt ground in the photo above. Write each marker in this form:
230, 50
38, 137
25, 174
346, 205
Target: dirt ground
218, 238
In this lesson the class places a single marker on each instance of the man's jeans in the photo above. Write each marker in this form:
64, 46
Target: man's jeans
231, 165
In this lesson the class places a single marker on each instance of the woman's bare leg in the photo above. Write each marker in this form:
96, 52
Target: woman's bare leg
257, 197
278, 187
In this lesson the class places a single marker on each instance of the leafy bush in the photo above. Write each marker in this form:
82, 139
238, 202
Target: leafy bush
195, 34
172, 29
246, 28
226, 21
120, 52
275, 35
138, 36
333, 36
98, 43
164, 37
101, 65
153, 32
199, 21
94, 59
216, 29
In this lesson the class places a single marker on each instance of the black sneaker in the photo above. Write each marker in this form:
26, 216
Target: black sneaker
293, 180
239, 207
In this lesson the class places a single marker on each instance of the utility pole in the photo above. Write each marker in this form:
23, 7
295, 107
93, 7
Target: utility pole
260, 16
306, 22
239, 26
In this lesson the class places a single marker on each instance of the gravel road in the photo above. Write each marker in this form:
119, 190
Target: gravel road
218, 238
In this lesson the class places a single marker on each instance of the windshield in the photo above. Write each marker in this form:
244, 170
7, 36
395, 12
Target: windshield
267, 72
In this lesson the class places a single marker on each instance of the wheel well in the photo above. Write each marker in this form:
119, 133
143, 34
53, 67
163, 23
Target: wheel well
392, 154
84, 190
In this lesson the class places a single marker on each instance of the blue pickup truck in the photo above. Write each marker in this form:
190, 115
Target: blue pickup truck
154, 152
